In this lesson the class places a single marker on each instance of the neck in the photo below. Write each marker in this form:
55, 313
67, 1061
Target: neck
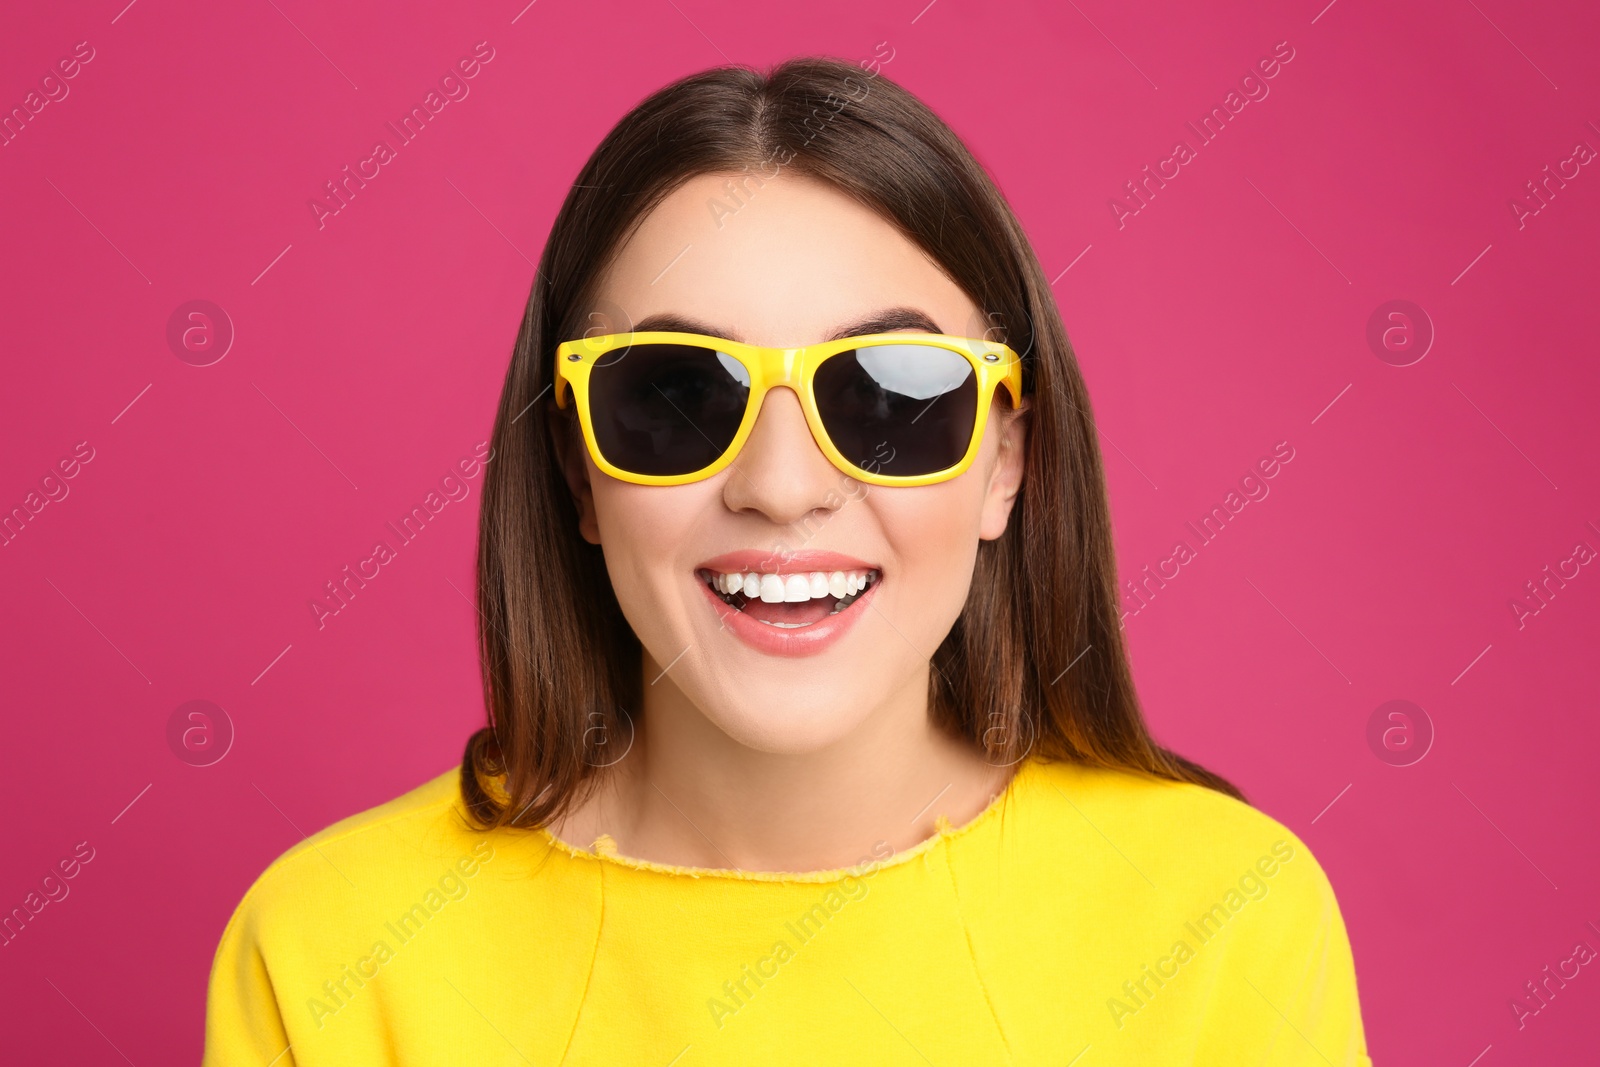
690, 795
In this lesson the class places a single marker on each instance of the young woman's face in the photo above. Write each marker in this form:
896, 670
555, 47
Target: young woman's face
796, 264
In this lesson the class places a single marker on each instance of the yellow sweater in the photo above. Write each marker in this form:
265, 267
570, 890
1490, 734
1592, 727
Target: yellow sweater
1086, 917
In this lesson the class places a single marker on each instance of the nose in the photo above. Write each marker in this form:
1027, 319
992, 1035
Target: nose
780, 473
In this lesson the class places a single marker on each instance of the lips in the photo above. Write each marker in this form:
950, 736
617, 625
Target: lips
787, 603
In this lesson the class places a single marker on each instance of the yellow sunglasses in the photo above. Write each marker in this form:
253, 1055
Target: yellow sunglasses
665, 408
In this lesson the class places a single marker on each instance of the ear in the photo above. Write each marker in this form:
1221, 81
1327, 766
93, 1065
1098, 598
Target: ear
1005, 475
572, 455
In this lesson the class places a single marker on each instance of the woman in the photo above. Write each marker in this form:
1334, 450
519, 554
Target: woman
812, 734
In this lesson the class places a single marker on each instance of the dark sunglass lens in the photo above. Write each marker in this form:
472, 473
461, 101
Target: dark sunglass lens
903, 409
666, 409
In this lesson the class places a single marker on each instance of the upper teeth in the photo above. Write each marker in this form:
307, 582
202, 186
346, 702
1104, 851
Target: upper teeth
792, 588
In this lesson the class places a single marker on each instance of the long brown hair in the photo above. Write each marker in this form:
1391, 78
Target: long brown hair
1036, 661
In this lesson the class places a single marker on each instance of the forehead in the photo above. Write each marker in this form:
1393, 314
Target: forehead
781, 263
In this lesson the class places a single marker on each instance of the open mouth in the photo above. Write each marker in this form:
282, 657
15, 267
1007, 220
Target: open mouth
789, 601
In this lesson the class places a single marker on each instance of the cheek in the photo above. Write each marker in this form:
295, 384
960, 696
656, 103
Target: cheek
644, 531
933, 531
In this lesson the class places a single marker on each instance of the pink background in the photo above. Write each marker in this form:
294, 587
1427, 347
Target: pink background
1229, 314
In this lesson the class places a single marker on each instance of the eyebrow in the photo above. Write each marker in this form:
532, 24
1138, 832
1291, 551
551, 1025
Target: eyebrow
887, 320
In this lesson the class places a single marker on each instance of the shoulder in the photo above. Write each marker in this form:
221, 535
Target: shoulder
1211, 909
325, 906
412, 837
1187, 840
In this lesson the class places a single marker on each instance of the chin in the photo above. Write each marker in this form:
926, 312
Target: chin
781, 721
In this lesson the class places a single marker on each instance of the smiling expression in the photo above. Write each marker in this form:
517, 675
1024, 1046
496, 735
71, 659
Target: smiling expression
785, 601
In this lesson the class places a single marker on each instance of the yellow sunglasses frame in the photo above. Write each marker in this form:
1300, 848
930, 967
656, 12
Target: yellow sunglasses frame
795, 368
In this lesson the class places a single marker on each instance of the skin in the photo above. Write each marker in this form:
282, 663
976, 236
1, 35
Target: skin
761, 762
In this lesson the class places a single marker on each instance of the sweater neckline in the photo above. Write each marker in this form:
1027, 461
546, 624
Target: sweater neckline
604, 850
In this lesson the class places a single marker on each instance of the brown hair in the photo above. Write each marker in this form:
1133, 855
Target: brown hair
1024, 668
